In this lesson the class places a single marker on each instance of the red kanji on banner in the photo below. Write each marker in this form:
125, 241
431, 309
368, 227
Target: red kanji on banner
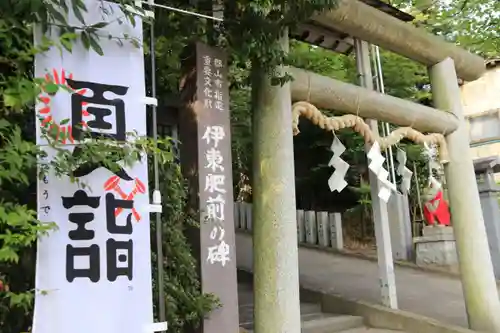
113, 184
63, 132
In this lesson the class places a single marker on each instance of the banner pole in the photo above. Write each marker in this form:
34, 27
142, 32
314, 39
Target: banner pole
159, 234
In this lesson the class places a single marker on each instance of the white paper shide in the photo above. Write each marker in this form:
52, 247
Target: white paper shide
337, 182
377, 167
94, 270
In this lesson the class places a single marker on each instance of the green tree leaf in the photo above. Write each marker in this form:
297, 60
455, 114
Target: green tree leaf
51, 88
85, 39
95, 45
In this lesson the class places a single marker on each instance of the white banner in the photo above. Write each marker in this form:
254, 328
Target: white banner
94, 271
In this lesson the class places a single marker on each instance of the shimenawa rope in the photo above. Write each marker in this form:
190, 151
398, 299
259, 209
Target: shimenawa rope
305, 109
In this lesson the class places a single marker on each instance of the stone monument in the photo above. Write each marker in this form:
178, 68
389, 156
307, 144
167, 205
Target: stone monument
489, 191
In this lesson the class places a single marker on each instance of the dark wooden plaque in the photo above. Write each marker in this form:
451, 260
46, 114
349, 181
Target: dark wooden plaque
205, 134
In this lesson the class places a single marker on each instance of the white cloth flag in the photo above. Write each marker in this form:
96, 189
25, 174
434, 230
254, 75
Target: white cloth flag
93, 272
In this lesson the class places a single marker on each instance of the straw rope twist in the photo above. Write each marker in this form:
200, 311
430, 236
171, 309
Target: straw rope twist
309, 111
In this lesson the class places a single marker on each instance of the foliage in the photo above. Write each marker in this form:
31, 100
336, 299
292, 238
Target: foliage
255, 25
363, 212
19, 228
172, 33
241, 126
185, 307
473, 24
248, 33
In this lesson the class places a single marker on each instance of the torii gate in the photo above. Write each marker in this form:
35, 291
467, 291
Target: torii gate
276, 280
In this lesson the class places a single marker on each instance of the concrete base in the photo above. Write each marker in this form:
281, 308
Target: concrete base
436, 247
399, 219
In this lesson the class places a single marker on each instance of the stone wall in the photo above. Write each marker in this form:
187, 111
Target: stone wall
481, 102
482, 94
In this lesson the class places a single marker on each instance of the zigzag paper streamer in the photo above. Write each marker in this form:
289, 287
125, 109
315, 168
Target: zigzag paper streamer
377, 167
431, 152
403, 171
337, 179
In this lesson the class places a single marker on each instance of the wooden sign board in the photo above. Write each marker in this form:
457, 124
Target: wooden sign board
205, 134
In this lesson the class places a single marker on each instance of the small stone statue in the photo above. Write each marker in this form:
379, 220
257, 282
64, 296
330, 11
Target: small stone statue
435, 206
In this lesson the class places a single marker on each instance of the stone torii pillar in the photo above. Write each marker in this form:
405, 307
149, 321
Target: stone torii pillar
380, 214
275, 248
478, 279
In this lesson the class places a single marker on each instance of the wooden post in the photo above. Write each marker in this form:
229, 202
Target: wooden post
380, 215
476, 268
206, 162
275, 249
